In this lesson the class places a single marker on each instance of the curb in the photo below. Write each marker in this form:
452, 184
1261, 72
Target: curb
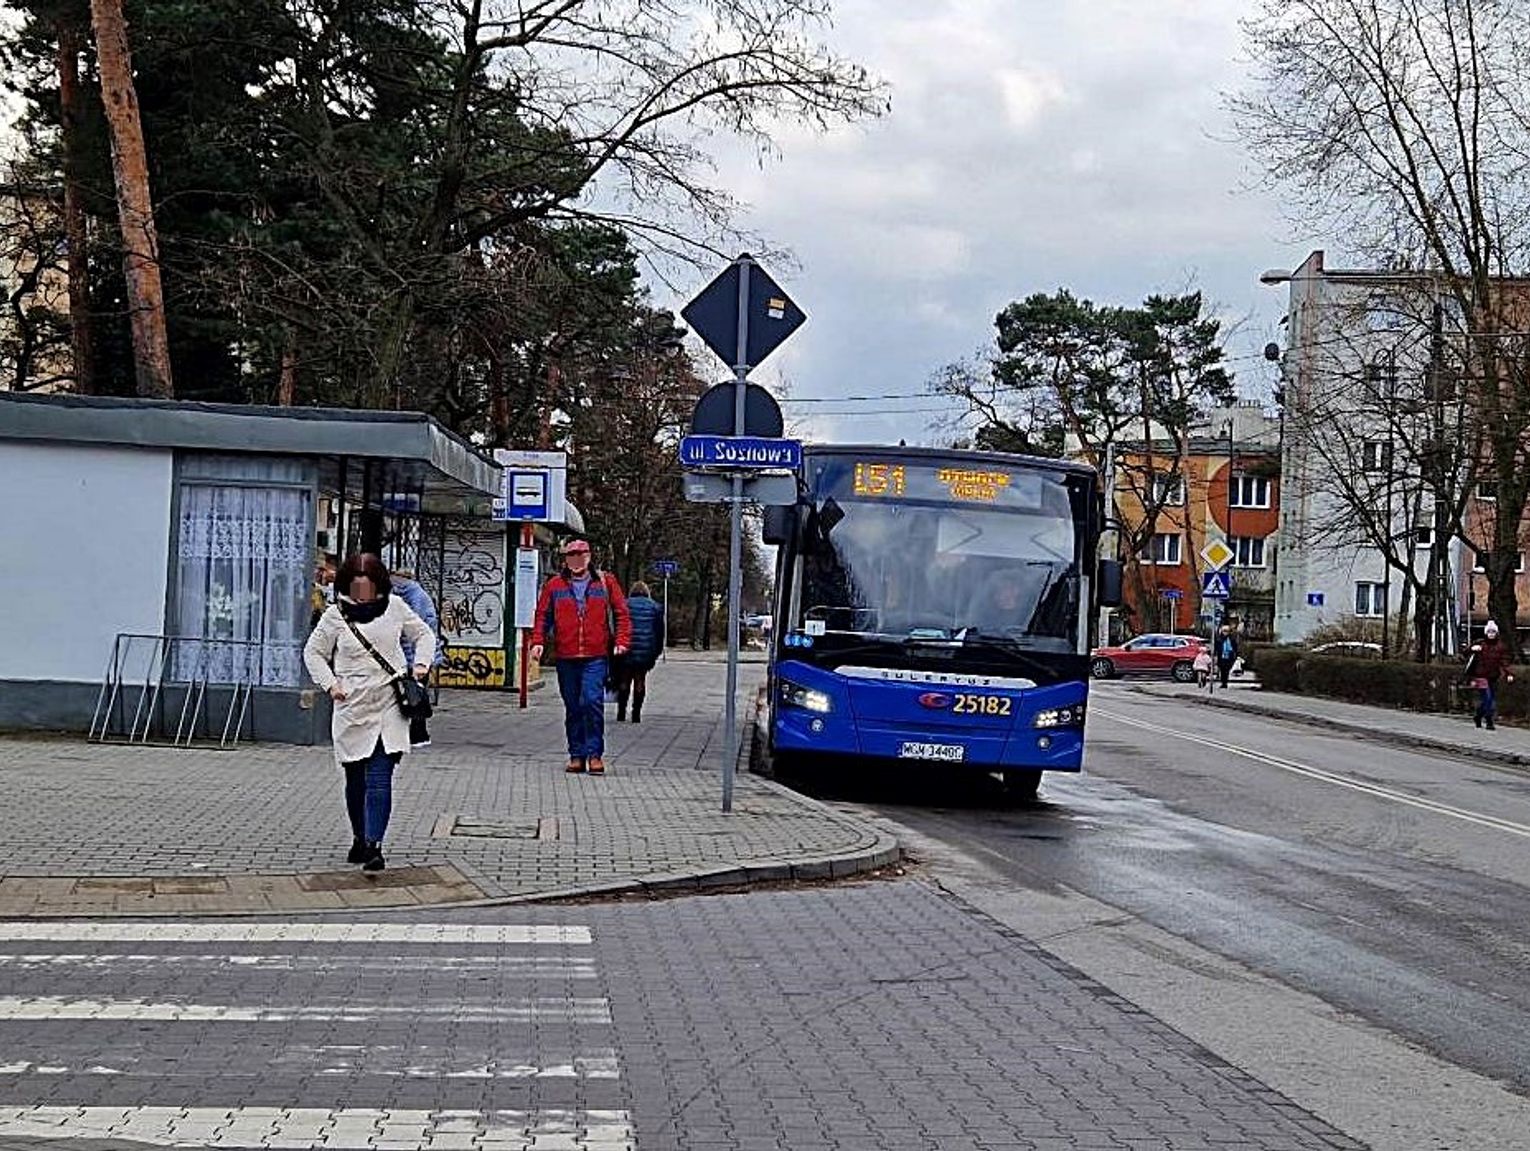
1374, 734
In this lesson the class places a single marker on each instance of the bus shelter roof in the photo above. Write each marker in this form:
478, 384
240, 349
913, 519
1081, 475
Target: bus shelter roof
399, 451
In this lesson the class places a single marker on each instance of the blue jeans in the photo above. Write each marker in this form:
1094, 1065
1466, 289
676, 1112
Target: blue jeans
582, 684
1486, 703
369, 794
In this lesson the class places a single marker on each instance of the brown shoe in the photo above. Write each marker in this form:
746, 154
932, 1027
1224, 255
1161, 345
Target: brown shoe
575, 766
597, 765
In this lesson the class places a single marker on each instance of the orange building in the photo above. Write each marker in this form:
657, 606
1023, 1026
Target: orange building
1471, 567
1222, 489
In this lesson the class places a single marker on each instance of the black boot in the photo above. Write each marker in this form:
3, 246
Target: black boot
374, 860
359, 851
637, 709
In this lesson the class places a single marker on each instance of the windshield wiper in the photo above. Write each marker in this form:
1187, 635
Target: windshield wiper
1010, 646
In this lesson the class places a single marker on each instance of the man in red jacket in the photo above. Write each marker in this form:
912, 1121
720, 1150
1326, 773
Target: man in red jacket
583, 615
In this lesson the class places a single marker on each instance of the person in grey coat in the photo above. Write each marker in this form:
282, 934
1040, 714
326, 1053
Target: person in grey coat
647, 644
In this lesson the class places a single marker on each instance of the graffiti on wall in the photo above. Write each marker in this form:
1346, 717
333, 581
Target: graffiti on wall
472, 667
469, 569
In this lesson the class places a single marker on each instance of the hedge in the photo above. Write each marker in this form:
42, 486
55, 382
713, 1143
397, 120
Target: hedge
1381, 683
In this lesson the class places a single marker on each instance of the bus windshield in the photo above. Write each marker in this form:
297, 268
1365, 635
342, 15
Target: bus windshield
946, 569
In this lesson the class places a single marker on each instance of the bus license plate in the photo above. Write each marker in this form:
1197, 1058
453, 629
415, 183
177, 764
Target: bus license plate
951, 752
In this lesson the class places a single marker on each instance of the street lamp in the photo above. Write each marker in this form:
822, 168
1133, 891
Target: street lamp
1232, 540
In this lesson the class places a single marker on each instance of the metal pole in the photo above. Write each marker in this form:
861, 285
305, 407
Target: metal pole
1110, 516
1386, 554
736, 537
664, 631
522, 635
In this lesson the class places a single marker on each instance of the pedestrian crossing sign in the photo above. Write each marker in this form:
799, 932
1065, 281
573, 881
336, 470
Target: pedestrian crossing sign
1216, 585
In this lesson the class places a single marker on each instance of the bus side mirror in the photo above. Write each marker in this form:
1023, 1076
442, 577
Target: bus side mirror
777, 526
1110, 583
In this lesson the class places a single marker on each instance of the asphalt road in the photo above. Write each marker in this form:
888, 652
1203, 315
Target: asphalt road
1391, 885
867, 1015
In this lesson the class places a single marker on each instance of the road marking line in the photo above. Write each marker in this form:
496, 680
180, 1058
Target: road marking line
92, 931
555, 966
338, 1129
356, 1062
594, 1010
1317, 773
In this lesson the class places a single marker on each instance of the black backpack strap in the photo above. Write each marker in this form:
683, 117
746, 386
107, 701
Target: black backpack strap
372, 651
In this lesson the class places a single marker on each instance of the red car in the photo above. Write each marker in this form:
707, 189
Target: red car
1151, 654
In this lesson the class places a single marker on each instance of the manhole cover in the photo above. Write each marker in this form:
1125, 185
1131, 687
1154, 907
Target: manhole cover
496, 829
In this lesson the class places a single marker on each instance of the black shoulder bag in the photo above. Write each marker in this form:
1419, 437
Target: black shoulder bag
413, 699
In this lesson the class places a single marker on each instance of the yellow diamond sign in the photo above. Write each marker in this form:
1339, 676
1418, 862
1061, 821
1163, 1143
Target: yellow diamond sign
1217, 554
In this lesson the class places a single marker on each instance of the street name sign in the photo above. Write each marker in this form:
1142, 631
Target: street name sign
1216, 585
666, 568
740, 453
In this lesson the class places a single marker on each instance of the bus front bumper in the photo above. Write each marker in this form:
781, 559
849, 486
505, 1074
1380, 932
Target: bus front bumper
819, 712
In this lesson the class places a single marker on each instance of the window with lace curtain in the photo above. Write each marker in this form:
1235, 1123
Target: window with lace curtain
244, 560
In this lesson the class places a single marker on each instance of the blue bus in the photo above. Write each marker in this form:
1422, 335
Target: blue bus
936, 606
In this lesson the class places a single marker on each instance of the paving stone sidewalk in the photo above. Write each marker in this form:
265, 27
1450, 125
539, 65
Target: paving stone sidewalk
485, 813
1453, 734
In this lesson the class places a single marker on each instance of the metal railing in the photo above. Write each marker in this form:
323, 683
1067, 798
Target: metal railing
152, 673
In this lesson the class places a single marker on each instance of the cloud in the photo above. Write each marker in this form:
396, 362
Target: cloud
1032, 144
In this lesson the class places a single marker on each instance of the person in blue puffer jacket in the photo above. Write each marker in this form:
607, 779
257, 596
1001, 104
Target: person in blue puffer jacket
647, 644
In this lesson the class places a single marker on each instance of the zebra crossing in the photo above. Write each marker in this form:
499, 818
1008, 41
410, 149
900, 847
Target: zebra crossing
333, 1035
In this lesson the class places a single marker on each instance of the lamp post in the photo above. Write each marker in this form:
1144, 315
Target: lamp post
1386, 463
1231, 539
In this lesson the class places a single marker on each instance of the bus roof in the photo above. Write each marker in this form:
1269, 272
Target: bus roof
977, 457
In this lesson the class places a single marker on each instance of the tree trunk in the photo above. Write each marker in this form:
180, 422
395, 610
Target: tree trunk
499, 401
393, 345
81, 329
286, 388
1503, 600
135, 210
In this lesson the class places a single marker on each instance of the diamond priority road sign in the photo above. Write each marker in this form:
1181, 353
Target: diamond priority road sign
740, 453
771, 315
1217, 554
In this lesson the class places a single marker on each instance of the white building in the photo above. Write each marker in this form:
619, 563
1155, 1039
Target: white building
1357, 424
169, 549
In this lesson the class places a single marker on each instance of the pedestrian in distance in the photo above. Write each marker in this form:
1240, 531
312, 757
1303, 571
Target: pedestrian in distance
355, 653
1203, 667
647, 642
582, 618
322, 594
1227, 652
1489, 662
413, 593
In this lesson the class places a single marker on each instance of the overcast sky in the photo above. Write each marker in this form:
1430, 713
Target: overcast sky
1032, 144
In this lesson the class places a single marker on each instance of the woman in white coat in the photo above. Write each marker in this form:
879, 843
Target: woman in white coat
370, 732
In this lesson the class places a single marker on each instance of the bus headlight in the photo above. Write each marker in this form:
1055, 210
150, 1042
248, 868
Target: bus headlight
795, 695
1060, 717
